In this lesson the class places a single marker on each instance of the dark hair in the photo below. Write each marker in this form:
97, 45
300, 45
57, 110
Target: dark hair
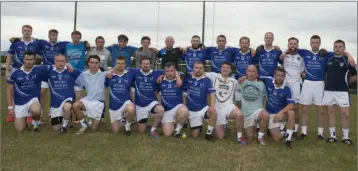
76, 33
221, 36
93, 57
228, 63
30, 53
123, 37
340, 41
244, 37
145, 38
293, 38
143, 58
121, 58
170, 64
316, 37
280, 69
195, 36
99, 37
53, 31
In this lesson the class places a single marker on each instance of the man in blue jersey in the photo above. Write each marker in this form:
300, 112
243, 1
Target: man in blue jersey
23, 91
196, 53
145, 97
198, 87
336, 91
121, 108
172, 101
61, 83
280, 105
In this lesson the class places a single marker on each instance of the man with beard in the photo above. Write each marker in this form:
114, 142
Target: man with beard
196, 53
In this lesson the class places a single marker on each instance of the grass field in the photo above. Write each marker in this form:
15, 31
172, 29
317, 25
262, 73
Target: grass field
103, 150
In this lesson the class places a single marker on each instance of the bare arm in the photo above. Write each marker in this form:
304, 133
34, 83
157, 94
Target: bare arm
8, 62
178, 79
10, 93
212, 100
287, 108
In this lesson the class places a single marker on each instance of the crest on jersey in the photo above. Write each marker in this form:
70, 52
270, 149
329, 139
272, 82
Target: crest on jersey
341, 64
145, 79
275, 93
298, 58
120, 81
169, 86
267, 55
223, 89
60, 77
194, 54
27, 77
314, 58
195, 83
52, 48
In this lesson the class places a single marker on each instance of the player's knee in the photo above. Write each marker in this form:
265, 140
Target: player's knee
265, 115
159, 109
183, 110
212, 115
130, 108
67, 107
77, 106
238, 114
291, 114
345, 115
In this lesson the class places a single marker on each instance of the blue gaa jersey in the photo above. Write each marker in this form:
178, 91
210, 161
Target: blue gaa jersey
192, 56
119, 89
61, 85
218, 57
49, 51
27, 85
268, 61
18, 48
171, 94
76, 55
277, 97
127, 52
198, 91
145, 86
242, 61
315, 65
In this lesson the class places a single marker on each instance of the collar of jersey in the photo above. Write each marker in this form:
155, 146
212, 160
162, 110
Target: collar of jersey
150, 71
248, 51
22, 69
222, 49
269, 49
191, 48
125, 72
53, 44
165, 78
54, 68
203, 76
32, 40
282, 86
88, 72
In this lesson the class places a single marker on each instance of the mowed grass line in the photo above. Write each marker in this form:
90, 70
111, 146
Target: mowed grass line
104, 150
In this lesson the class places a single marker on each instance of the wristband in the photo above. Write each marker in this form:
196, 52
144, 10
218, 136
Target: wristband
10, 107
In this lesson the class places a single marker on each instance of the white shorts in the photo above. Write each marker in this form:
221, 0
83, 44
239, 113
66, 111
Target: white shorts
170, 115
296, 90
143, 112
118, 114
275, 124
196, 118
94, 109
252, 119
339, 98
22, 111
237, 95
312, 92
44, 84
58, 111
223, 113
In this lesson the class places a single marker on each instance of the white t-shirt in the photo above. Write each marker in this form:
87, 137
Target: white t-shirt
294, 66
224, 88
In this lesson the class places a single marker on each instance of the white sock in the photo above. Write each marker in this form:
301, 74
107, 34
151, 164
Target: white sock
261, 135
257, 125
64, 123
320, 131
282, 126
33, 122
178, 128
345, 133
210, 129
332, 131
153, 129
83, 124
304, 130
127, 126
239, 134
289, 132
296, 128
42, 113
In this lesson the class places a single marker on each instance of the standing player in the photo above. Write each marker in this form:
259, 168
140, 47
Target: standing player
294, 66
225, 86
102, 52
253, 92
144, 51
279, 105
23, 91
145, 97
121, 107
172, 101
195, 53
169, 53
76, 51
198, 88
336, 91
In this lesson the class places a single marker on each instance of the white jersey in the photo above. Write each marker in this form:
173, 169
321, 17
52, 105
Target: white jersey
294, 66
224, 88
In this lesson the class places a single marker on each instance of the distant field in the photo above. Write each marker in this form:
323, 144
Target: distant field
103, 150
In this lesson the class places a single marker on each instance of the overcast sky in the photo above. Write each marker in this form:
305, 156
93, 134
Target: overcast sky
330, 20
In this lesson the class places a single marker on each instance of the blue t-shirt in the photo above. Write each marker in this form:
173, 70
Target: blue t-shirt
171, 94
61, 85
49, 51
27, 85
218, 57
268, 61
18, 48
127, 52
76, 55
242, 61
119, 89
277, 98
192, 56
198, 91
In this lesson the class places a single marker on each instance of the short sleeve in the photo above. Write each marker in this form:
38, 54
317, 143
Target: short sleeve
11, 77
302, 52
80, 81
76, 73
11, 50
289, 99
278, 54
211, 75
263, 89
266, 80
107, 82
109, 48
209, 87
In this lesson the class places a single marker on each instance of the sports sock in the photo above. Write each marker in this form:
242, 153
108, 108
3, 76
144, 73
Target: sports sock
153, 129
332, 131
320, 131
296, 128
210, 130
289, 132
304, 130
33, 122
178, 128
64, 123
83, 124
257, 125
282, 126
127, 126
345, 133
261, 135
239, 134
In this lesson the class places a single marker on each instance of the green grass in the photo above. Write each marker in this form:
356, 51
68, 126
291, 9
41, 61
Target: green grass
103, 150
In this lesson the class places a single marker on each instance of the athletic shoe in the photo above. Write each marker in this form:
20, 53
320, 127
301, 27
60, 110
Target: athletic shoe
10, 118
331, 140
154, 134
303, 137
81, 130
63, 130
261, 141
288, 144
348, 142
241, 140
127, 133
29, 119
320, 137
177, 135
35, 128
209, 137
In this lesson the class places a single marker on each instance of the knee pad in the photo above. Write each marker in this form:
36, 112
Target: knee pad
56, 121
197, 127
143, 121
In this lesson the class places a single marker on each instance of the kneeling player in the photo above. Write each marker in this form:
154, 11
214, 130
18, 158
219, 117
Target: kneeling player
280, 105
224, 92
172, 101
121, 107
198, 87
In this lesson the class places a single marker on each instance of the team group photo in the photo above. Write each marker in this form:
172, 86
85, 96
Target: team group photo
217, 103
